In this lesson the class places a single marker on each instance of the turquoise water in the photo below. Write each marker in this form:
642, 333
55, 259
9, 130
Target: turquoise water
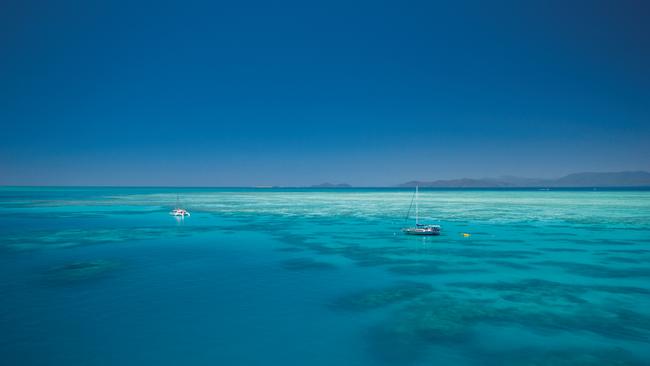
104, 276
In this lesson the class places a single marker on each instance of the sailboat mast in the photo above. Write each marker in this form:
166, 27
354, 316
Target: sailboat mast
417, 212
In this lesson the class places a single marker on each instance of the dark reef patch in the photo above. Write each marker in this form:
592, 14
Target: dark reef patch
544, 233
304, 264
404, 337
381, 297
513, 265
498, 254
613, 325
80, 271
522, 226
613, 242
598, 271
532, 291
373, 261
540, 306
290, 249
543, 288
623, 260
434, 320
509, 241
81, 237
561, 357
424, 268
567, 250
625, 251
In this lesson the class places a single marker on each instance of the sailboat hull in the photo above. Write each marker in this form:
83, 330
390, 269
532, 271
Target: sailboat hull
427, 231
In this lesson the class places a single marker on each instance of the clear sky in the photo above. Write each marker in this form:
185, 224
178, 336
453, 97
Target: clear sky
298, 93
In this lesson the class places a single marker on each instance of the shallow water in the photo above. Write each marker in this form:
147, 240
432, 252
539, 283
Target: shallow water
104, 276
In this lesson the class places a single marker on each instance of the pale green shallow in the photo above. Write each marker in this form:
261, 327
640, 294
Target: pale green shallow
104, 276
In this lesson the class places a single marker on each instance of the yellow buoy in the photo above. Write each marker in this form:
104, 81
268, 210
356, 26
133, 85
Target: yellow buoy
466, 235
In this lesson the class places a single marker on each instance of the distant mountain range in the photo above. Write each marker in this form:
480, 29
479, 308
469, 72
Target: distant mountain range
616, 179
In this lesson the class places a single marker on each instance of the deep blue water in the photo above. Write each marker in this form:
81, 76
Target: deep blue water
105, 276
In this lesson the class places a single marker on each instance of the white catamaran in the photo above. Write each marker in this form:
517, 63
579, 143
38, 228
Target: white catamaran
419, 229
178, 211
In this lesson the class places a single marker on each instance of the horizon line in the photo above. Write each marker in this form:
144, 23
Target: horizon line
331, 188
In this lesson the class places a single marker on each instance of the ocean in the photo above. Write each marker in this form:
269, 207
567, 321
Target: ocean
105, 276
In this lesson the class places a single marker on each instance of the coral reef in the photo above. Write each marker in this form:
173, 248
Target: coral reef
302, 264
80, 271
381, 297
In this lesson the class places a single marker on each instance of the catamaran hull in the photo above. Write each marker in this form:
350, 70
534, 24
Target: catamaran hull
179, 213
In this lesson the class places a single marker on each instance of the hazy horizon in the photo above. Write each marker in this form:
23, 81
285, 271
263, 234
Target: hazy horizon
394, 185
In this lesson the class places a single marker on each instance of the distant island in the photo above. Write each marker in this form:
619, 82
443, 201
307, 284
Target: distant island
331, 185
614, 179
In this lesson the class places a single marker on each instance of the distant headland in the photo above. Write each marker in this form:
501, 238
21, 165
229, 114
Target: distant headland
612, 179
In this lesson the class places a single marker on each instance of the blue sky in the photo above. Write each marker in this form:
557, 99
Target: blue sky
298, 93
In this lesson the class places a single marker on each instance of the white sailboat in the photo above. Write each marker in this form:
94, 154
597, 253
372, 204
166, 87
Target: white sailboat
419, 229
